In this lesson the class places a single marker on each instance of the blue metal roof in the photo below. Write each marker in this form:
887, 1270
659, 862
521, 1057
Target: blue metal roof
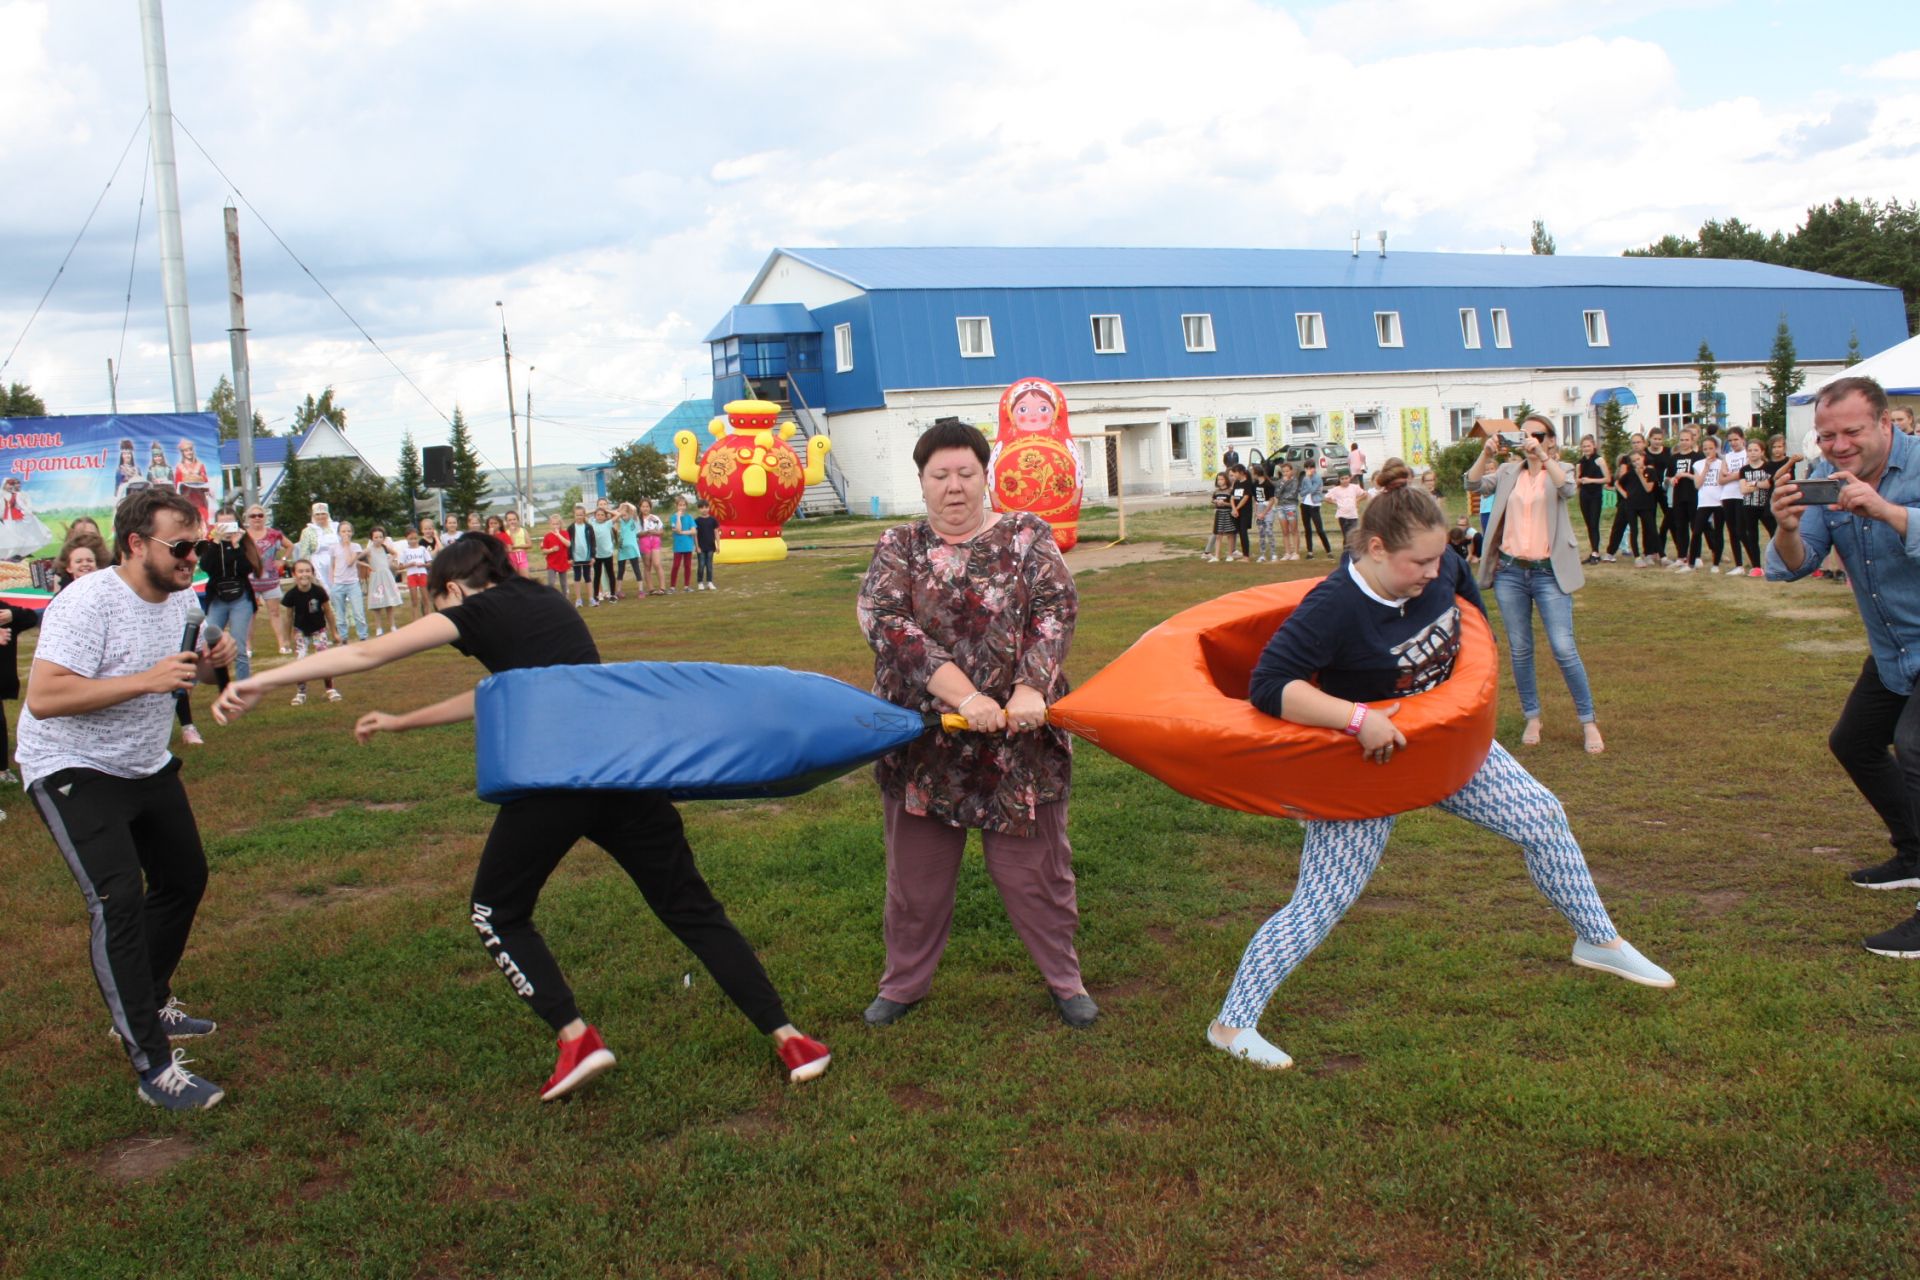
268, 451
949, 267
767, 319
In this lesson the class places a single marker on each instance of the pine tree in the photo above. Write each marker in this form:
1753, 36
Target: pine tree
292, 497
224, 404
18, 401
1706, 404
408, 483
1853, 348
1613, 430
468, 492
1784, 377
1542, 242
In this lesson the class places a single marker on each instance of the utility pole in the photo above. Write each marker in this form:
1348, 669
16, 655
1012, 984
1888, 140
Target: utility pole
166, 190
513, 427
242, 370
113, 388
527, 514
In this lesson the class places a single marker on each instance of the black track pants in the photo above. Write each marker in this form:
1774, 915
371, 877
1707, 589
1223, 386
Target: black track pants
1590, 500
134, 849
1877, 741
642, 832
1310, 524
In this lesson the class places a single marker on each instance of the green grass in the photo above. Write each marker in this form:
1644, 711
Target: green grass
1466, 1103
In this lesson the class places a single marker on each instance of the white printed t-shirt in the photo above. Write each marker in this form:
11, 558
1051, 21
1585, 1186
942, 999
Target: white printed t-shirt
99, 628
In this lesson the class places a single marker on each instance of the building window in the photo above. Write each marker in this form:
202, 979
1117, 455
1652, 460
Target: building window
976, 336
1303, 426
1469, 328
1502, 336
1512, 412
1199, 332
1460, 421
1239, 428
1366, 422
842, 348
1177, 441
1108, 340
1313, 330
1570, 424
1676, 411
1386, 327
1596, 328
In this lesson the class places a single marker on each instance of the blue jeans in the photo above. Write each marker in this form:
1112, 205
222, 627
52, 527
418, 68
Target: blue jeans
1519, 591
349, 608
235, 617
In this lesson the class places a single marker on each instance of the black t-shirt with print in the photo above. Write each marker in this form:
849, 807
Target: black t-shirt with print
307, 608
521, 623
1660, 470
1756, 476
1692, 464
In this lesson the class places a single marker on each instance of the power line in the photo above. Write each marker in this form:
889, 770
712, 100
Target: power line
133, 260
361, 329
76, 243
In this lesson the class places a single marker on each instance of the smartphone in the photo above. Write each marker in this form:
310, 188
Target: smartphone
1818, 493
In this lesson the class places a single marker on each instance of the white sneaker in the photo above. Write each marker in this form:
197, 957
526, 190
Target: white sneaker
1716, 569
1251, 1045
1685, 568
334, 695
299, 700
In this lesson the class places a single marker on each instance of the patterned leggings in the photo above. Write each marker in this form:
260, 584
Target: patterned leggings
1338, 858
1265, 522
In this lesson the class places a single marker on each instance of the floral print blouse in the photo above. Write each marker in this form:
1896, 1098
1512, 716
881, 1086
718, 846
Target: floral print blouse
1001, 606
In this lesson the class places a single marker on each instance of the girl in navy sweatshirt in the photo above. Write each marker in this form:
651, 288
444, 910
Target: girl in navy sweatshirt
1385, 624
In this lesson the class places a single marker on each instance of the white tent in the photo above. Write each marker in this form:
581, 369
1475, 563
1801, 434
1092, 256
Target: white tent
1897, 369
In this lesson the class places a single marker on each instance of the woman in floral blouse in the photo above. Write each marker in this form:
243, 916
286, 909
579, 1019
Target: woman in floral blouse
972, 611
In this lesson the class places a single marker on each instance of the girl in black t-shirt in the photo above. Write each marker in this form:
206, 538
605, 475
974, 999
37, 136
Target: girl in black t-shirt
1591, 474
507, 621
1383, 625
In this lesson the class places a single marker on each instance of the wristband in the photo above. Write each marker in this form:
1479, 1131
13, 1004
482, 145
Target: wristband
1359, 718
969, 698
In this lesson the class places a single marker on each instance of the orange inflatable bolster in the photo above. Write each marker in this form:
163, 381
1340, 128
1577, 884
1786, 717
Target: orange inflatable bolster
1175, 706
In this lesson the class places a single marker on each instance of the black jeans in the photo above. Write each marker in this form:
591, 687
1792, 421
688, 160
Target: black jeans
1310, 524
1733, 519
603, 570
1680, 522
1874, 720
134, 849
1637, 527
1590, 500
1242, 526
1706, 523
641, 831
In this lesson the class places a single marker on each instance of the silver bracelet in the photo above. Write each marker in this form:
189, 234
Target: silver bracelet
969, 698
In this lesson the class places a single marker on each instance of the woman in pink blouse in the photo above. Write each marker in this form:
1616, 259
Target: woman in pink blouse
972, 611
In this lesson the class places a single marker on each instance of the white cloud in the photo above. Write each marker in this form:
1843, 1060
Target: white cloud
1899, 66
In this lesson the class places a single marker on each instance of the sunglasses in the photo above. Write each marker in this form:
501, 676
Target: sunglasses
173, 548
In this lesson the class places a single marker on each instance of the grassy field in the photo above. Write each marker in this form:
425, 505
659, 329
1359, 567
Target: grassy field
1466, 1102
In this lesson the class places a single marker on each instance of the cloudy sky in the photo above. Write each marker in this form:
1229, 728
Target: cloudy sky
616, 170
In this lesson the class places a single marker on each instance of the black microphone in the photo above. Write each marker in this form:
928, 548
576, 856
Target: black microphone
221, 678
190, 638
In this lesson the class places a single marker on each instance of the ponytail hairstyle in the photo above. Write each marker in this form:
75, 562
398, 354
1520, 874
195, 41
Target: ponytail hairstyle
475, 562
1398, 514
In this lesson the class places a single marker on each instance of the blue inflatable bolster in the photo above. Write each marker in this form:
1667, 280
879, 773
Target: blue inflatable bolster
696, 730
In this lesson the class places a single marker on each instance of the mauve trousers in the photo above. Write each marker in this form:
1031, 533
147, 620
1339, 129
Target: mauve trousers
1033, 873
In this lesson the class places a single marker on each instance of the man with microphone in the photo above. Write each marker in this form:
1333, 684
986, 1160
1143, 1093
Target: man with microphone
1863, 500
114, 648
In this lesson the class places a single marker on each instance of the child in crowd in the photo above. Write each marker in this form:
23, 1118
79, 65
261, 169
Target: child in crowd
516, 543
682, 544
706, 537
557, 548
383, 588
1313, 492
654, 576
1345, 498
1221, 539
414, 559
628, 521
606, 542
1466, 538
310, 609
345, 587
1264, 490
1286, 501
580, 552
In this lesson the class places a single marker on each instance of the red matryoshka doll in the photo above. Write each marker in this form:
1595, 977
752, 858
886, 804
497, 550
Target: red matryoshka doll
1033, 466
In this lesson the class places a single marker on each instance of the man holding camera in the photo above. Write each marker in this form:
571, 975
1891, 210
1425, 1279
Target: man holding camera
1862, 500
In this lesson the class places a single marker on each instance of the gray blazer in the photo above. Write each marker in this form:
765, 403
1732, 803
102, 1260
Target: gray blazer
1566, 551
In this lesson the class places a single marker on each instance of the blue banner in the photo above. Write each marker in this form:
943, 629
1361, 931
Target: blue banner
55, 470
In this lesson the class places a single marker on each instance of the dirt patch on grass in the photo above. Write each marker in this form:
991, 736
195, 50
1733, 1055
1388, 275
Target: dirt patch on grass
327, 808
141, 1159
1828, 647
1161, 934
1717, 902
1091, 556
1810, 613
1128, 990
326, 895
1337, 1065
913, 1098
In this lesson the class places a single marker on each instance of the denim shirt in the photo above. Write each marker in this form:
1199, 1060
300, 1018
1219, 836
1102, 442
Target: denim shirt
1312, 489
1884, 569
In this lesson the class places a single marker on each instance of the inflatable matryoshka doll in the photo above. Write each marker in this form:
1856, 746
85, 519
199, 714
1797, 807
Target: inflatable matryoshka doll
1034, 467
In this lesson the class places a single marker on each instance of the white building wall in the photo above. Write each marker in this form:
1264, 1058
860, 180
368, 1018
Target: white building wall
875, 447
790, 281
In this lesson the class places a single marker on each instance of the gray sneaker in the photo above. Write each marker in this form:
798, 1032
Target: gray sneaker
1078, 1011
174, 1088
884, 1012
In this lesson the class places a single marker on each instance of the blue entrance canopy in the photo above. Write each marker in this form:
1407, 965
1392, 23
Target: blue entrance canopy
1621, 395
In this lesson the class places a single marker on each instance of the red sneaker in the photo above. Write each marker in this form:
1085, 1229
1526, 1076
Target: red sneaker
804, 1057
580, 1061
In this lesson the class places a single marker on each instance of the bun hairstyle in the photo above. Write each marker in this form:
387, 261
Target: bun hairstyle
475, 561
1398, 514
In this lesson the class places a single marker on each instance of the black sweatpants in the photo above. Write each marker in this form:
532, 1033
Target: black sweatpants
642, 832
1640, 523
1748, 532
1733, 521
1707, 521
134, 849
1242, 526
1310, 524
1590, 504
603, 568
1874, 720
1680, 522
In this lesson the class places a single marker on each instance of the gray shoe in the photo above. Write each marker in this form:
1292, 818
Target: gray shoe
1078, 1011
884, 1012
